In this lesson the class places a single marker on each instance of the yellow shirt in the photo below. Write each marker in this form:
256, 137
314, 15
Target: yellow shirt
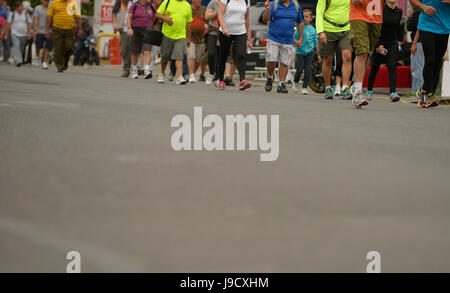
64, 13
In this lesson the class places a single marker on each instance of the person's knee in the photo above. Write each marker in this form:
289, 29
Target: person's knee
328, 61
346, 57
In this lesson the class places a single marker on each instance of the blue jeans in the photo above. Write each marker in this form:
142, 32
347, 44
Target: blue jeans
417, 62
173, 69
76, 55
303, 64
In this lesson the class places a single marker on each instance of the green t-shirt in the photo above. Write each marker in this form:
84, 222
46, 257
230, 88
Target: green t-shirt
181, 14
338, 12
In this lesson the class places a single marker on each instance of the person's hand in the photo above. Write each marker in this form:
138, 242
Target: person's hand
115, 27
323, 38
47, 35
357, 2
267, 5
168, 20
188, 42
380, 49
446, 1
409, 13
80, 33
429, 10
6, 37
250, 44
130, 32
34, 37
414, 49
299, 42
226, 32
319, 59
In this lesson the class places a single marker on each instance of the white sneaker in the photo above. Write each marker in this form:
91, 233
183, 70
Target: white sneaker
147, 74
337, 91
295, 87
192, 78
181, 80
209, 80
44, 65
304, 91
135, 73
161, 78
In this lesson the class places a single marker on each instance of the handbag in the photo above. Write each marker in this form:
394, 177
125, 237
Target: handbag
152, 35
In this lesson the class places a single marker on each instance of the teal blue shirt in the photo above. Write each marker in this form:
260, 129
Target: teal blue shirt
309, 40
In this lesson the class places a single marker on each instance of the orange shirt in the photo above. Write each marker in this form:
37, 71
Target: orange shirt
370, 11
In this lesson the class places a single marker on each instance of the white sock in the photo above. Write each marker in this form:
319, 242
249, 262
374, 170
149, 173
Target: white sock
338, 88
147, 67
358, 86
344, 87
135, 68
271, 77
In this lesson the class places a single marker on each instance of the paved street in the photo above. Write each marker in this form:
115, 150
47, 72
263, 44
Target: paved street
86, 164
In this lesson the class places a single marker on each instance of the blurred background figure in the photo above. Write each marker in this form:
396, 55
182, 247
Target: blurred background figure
86, 29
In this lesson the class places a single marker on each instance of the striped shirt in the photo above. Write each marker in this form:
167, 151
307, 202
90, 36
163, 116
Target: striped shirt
64, 13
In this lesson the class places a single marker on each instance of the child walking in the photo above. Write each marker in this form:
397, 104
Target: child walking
305, 51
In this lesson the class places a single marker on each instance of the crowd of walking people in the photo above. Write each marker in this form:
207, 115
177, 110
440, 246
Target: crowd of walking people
348, 34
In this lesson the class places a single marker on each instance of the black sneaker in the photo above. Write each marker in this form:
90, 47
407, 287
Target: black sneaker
282, 89
202, 78
269, 83
228, 81
141, 72
60, 70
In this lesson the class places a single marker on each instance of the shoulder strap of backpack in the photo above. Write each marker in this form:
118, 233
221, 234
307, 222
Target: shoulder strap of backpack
135, 6
327, 5
296, 5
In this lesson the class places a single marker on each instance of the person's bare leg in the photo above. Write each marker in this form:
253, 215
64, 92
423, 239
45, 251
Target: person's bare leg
179, 66
191, 66
232, 70
359, 67
134, 59
326, 70
147, 58
203, 67
271, 68
346, 67
283, 71
163, 67
46, 53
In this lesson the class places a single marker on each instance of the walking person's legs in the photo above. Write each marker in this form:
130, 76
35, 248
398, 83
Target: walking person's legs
212, 50
392, 56
377, 59
307, 72
441, 47
224, 51
417, 61
69, 46
240, 42
125, 53
17, 51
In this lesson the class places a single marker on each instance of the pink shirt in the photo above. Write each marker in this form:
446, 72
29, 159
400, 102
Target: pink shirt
143, 15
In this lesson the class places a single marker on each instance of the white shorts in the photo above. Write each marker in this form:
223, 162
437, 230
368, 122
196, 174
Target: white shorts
277, 52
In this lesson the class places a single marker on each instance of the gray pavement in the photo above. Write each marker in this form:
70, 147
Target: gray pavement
86, 164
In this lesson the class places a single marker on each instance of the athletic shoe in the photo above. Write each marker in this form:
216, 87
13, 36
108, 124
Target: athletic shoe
295, 87
148, 74
44, 65
125, 74
228, 81
181, 80
337, 92
269, 83
186, 77
192, 78
394, 97
359, 99
431, 102
171, 77
161, 78
209, 80
369, 95
221, 85
346, 94
328, 94
141, 72
304, 91
202, 77
282, 89
60, 70
244, 84
134, 74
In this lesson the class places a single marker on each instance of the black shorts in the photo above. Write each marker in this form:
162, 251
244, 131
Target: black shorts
42, 42
137, 41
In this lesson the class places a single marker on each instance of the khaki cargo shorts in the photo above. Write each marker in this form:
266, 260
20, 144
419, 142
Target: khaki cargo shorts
364, 36
335, 40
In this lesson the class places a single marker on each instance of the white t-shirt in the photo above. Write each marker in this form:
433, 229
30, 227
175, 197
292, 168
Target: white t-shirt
234, 17
19, 27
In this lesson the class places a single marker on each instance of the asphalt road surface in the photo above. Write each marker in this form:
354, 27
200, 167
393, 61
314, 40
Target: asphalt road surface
86, 165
